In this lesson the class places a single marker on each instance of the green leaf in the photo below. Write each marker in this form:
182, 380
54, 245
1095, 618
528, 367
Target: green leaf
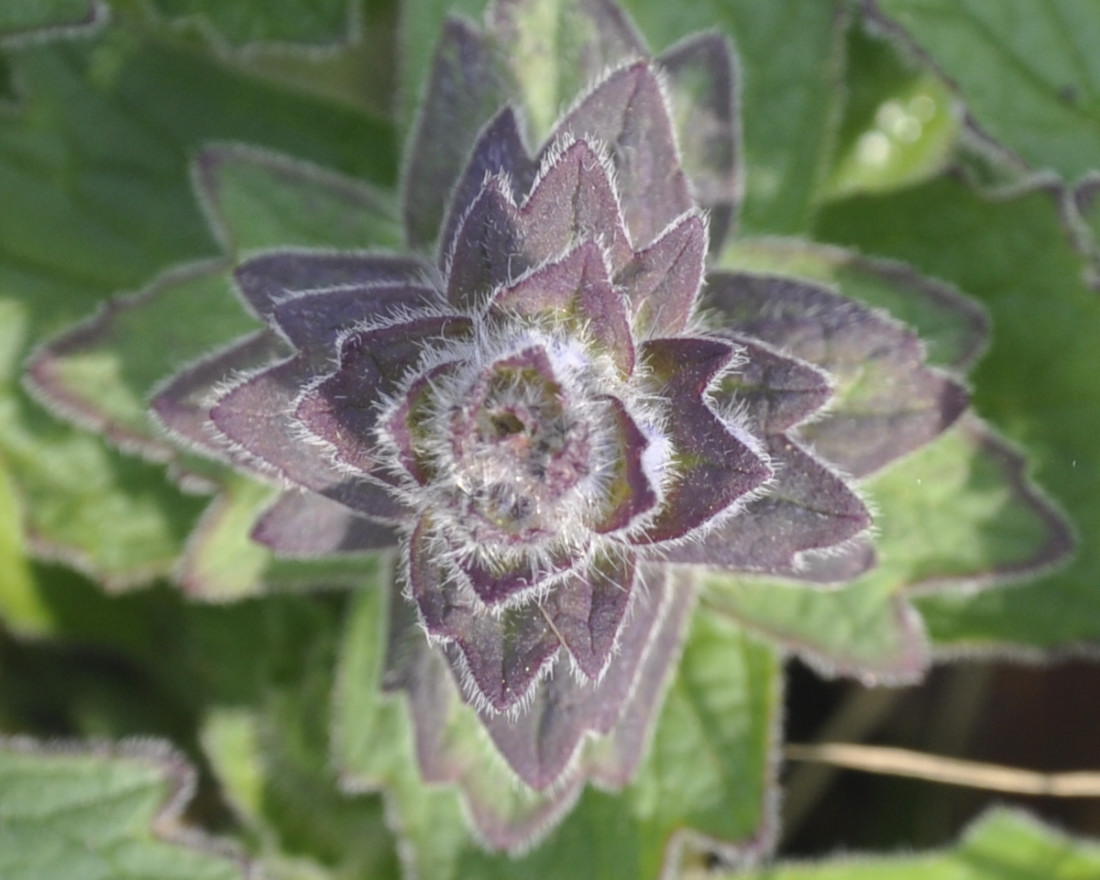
373, 747
306, 22
35, 17
82, 502
260, 199
864, 629
1001, 845
963, 512
109, 812
21, 608
957, 513
222, 562
9, 91
1028, 70
268, 665
555, 49
709, 771
900, 121
101, 372
791, 62
1037, 384
94, 169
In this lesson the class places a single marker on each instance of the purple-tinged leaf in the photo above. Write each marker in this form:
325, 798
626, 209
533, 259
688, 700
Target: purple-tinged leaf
499, 151
578, 289
183, 404
630, 492
450, 744
403, 426
887, 402
268, 278
662, 282
467, 86
573, 201
497, 584
953, 327
838, 565
887, 416
713, 467
487, 250
415, 666
806, 507
627, 111
587, 608
342, 410
500, 657
515, 830
256, 417
305, 524
613, 761
314, 321
770, 391
541, 743
702, 92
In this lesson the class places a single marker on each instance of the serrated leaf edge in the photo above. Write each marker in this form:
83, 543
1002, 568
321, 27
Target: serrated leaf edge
246, 51
99, 16
166, 823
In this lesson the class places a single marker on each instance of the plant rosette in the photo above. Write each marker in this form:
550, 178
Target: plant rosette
557, 421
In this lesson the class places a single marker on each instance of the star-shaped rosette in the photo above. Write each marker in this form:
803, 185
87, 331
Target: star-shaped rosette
563, 412
559, 420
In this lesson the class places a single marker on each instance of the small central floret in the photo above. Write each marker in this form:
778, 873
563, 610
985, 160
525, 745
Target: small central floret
516, 440
518, 447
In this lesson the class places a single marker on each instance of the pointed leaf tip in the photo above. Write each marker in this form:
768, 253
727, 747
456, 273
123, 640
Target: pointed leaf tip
806, 507
587, 610
703, 91
498, 152
466, 88
578, 290
714, 467
663, 281
498, 658
627, 111
887, 401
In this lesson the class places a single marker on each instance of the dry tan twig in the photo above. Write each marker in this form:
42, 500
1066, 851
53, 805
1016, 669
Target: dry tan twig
950, 771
